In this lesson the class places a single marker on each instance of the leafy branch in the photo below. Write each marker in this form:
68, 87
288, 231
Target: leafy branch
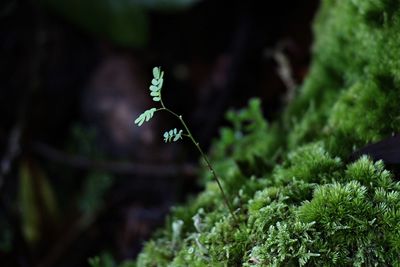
175, 134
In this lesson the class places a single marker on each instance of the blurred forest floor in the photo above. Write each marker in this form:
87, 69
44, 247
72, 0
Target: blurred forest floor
77, 178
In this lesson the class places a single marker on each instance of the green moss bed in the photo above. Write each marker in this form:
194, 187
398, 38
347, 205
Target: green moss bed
298, 199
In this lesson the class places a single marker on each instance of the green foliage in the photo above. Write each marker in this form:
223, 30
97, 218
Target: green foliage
351, 220
156, 84
371, 175
352, 105
297, 199
172, 135
155, 92
145, 116
246, 151
251, 143
287, 244
311, 163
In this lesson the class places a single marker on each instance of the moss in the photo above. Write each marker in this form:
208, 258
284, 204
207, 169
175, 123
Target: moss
349, 114
298, 200
309, 163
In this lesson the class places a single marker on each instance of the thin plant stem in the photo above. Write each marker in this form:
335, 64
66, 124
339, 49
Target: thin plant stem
205, 158
148, 114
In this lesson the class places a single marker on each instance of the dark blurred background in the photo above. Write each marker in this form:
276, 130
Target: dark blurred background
77, 177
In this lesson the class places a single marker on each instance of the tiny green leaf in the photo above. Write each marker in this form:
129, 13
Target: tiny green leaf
172, 135
153, 88
178, 136
156, 72
166, 137
145, 116
156, 84
148, 116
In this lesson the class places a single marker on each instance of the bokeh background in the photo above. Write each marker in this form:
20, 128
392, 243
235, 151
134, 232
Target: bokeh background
77, 177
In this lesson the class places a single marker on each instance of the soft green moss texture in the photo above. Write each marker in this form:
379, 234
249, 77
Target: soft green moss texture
298, 200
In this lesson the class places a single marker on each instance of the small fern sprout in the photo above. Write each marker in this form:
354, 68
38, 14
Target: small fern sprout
175, 134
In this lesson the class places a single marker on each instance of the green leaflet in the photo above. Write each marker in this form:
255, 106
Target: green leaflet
156, 84
145, 116
172, 135
155, 92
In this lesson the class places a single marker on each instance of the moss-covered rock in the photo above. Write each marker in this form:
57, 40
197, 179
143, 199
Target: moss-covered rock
298, 200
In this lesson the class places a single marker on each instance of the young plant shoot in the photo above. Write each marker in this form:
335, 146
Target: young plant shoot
175, 134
